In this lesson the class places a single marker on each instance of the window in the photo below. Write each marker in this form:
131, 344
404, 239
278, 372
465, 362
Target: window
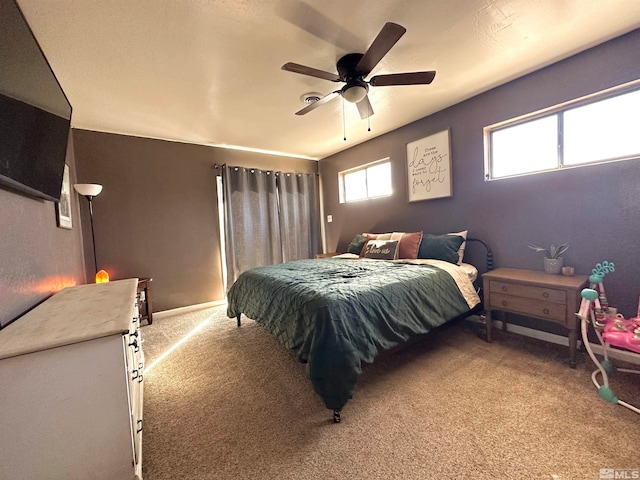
368, 181
594, 129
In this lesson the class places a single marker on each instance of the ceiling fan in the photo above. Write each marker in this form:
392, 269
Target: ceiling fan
354, 67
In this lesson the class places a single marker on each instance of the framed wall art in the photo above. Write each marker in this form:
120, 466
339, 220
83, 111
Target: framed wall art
429, 167
63, 207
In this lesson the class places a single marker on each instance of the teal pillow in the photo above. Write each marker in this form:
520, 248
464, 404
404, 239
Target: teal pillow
440, 247
356, 244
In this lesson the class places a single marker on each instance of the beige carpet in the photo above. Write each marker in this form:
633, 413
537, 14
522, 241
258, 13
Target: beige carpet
232, 403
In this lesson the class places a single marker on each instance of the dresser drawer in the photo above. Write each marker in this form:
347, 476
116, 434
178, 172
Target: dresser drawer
555, 312
527, 291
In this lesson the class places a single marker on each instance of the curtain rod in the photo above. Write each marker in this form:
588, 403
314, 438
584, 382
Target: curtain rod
217, 167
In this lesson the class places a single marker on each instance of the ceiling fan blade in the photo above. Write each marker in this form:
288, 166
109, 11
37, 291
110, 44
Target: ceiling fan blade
387, 38
413, 78
364, 108
317, 103
313, 72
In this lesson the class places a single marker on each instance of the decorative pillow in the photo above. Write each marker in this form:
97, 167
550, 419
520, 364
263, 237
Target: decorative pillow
383, 236
409, 245
356, 244
441, 247
377, 236
381, 249
463, 234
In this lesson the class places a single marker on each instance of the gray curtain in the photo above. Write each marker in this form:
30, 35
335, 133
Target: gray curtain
270, 217
299, 215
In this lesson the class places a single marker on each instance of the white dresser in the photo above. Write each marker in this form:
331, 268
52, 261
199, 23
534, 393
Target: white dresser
71, 387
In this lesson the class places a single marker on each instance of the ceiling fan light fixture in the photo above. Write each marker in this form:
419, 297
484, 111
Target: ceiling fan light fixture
354, 93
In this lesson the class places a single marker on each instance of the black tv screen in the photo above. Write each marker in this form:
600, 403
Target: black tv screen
35, 114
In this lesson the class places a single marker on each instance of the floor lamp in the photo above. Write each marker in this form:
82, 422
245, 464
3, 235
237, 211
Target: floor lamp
90, 190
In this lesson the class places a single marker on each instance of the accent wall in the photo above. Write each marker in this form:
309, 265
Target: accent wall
594, 208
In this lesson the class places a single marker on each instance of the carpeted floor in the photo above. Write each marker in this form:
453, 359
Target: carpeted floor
231, 403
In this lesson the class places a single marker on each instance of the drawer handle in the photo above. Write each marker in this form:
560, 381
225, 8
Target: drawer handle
545, 295
140, 377
504, 288
504, 303
545, 311
134, 375
139, 423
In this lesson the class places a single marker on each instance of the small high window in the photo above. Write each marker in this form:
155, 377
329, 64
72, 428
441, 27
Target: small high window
367, 181
599, 128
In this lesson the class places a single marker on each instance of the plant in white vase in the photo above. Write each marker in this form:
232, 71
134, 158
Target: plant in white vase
552, 260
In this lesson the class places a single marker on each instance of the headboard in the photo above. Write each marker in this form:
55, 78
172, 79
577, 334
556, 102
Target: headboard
489, 255
488, 265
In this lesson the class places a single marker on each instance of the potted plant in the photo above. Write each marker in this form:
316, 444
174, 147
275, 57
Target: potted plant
552, 260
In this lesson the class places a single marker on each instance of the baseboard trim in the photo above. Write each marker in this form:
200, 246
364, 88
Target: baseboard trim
188, 308
622, 355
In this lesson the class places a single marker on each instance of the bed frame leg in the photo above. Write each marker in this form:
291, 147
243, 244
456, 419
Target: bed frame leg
336, 415
238, 319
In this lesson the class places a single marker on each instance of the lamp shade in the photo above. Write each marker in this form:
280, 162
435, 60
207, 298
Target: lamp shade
88, 189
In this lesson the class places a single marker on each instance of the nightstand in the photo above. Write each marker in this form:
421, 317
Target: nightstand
555, 298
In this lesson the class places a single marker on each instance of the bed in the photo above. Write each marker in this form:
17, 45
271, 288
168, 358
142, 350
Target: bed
336, 314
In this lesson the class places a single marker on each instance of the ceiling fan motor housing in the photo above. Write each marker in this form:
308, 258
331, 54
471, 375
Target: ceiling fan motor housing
347, 66
356, 88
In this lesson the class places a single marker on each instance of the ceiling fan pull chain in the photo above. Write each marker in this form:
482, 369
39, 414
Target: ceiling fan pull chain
369, 123
344, 127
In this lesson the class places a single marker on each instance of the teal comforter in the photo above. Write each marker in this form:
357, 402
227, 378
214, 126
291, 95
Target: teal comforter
334, 315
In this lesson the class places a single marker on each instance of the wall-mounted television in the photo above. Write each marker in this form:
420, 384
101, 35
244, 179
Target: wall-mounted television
35, 115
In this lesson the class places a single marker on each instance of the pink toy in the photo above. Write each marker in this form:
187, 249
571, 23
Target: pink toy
622, 333
612, 330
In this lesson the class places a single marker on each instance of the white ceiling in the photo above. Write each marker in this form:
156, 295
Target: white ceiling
209, 71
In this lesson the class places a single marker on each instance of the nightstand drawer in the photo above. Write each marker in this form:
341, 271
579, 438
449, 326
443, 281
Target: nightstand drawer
555, 312
527, 291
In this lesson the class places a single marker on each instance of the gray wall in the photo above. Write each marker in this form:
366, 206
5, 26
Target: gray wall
36, 257
593, 208
157, 215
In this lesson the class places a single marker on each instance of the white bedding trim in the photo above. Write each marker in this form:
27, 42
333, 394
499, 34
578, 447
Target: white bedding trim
470, 270
457, 273
350, 256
